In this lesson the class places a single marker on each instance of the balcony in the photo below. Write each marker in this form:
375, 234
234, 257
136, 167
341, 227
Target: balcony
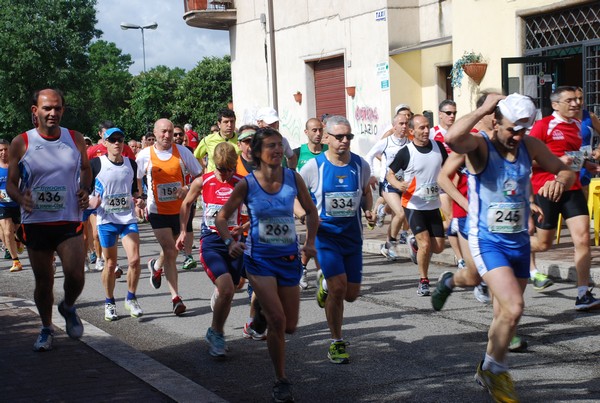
209, 14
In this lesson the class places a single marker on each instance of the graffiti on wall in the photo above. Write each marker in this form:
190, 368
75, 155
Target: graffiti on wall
366, 118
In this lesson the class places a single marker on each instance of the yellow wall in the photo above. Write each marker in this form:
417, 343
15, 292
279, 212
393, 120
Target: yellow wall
415, 79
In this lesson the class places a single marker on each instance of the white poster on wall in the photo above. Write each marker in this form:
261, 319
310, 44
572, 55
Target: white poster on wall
383, 75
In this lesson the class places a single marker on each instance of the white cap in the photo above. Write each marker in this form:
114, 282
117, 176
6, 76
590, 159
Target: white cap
519, 109
267, 115
401, 106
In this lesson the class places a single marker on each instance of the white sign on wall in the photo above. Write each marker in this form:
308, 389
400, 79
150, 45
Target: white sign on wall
380, 15
383, 75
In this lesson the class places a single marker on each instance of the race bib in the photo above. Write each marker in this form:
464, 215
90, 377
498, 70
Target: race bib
167, 191
117, 203
277, 230
341, 204
211, 213
506, 218
49, 198
578, 159
428, 191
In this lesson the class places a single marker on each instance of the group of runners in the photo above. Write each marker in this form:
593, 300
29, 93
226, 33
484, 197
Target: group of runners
250, 200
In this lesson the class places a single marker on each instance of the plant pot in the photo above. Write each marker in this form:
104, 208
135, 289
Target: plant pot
351, 91
198, 5
298, 97
476, 71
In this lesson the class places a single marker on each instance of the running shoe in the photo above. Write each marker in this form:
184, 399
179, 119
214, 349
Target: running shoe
213, 299
259, 323
249, 333
303, 281
390, 250
178, 305
500, 386
282, 391
86, 266
380, 215
99, 264
17, 266
423, 288
133, 307
481, 293
44, 341
441, 292
93, 257
586, 302
155, 275
517, 345
216, 343
189, 263
402, 238
321, 292
118, 272
461, 264
7, 254
540, 281
413, 248
110, 312
20, 248
337, 353
72, 321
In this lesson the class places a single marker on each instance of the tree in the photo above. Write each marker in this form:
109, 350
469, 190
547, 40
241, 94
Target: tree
152, 98
44, 43
109, 83
204, 90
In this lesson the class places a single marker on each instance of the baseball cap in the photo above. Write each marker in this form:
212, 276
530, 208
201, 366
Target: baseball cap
519, 109
246, 134
267, 115
401, 106
112, 131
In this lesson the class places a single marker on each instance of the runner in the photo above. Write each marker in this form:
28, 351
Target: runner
271, 252
339, 181
9, 213
115, 194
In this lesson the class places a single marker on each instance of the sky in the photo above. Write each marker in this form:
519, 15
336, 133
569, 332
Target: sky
173, 43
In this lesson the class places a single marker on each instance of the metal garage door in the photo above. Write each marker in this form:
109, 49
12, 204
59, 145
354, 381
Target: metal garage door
330, 90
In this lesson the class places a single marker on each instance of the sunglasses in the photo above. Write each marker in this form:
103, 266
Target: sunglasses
224, 169
340, 137
177, 134
114, 140
449, 113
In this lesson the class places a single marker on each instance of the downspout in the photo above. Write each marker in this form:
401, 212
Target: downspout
273, 66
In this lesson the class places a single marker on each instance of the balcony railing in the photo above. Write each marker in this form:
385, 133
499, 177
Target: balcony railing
215, 14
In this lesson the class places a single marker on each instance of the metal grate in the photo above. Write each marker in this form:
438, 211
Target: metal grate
563, 27
592, 78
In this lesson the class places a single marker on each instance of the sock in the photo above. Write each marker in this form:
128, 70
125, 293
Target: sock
50, 328
424, 280
250, 321
533, 272
325, 285
336, 340
448, 283
495, 367
176, 299
67, 307
581, 291
109, 301
393, 240
130, 295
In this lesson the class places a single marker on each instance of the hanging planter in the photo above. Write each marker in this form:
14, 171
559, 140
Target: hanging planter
476, 71
298, 97
351, 91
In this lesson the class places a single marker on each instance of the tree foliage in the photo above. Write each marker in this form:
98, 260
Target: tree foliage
43, 43
109, 83
204, 90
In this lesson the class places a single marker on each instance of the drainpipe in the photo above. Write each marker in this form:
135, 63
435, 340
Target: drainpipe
273, 66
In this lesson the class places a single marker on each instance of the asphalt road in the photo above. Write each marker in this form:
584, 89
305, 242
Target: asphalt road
401, 350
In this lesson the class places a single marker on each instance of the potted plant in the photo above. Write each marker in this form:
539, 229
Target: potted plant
298, 97
472, 64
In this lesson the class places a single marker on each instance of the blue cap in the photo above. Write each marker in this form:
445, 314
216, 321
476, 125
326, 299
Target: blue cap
112, 131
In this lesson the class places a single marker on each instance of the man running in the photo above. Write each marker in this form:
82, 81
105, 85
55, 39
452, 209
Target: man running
49, 176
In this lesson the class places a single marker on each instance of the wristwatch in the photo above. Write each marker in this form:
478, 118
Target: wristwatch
228, 242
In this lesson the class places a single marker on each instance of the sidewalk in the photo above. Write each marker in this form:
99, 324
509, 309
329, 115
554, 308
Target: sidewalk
96, 368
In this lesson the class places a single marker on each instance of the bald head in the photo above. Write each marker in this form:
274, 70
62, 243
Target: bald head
163, 130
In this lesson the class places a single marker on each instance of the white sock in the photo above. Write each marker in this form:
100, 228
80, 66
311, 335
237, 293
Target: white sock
325, 284
581, 291
495, 367
533, 272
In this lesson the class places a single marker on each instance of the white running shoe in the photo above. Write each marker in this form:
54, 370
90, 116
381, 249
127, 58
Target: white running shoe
133, 307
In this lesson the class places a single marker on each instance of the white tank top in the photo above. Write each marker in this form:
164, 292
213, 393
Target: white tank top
50, 169
113, 184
